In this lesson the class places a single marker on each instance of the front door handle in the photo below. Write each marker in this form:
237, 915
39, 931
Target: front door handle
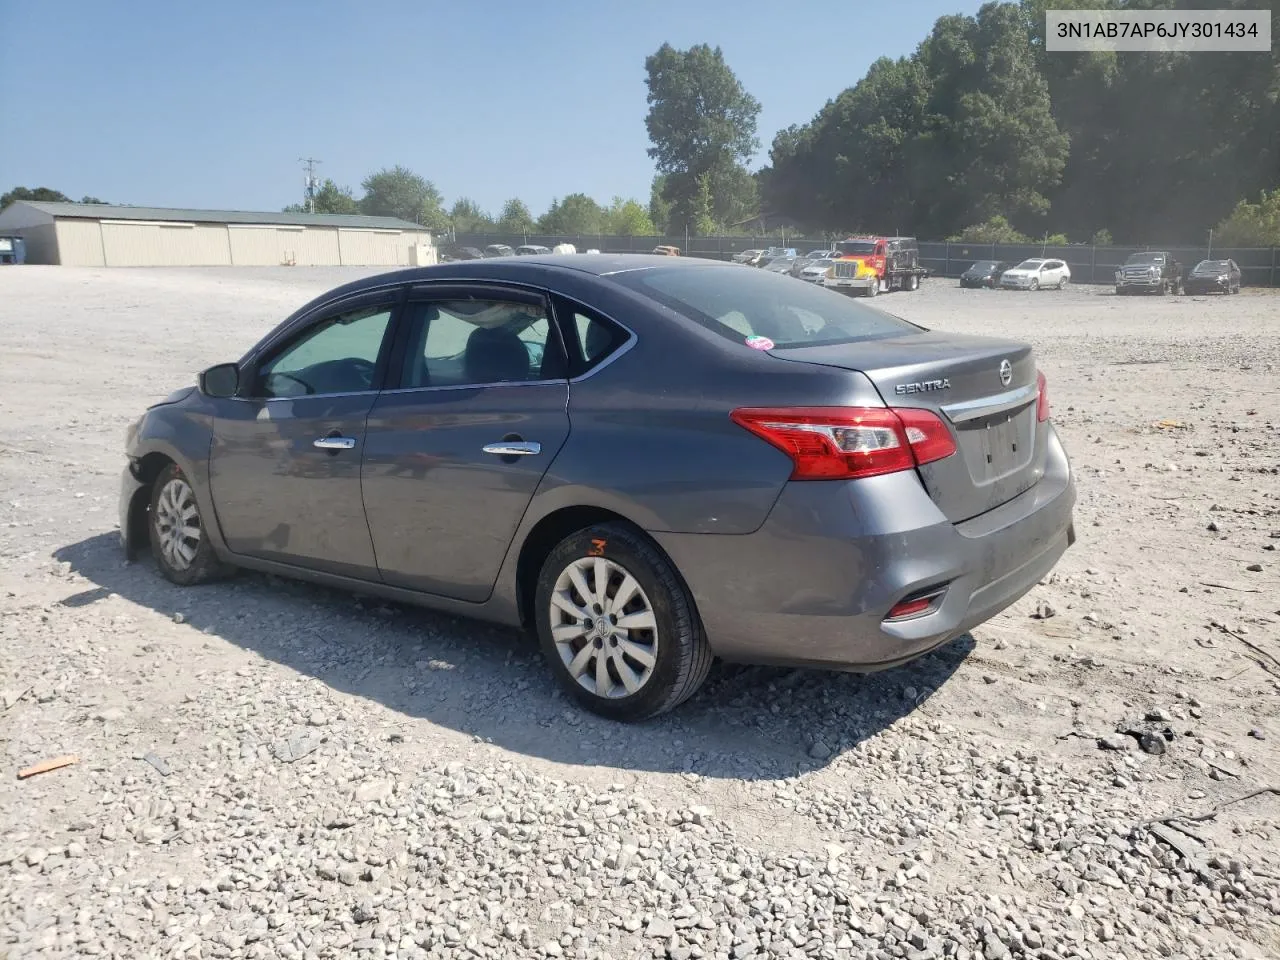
334, 443
513, 448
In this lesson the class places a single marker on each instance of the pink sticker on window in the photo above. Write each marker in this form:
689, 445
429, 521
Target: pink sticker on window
759, 343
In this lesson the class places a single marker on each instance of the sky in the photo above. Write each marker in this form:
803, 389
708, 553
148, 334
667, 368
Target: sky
213, 105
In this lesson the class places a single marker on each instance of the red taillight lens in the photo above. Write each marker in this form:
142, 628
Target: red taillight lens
1042, 402
844, 443
909, 608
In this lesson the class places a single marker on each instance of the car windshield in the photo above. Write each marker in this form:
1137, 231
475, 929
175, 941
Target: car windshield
984, 265
1210, 266
854, 248
815, 254
1030, 265
763, 304
1146, 258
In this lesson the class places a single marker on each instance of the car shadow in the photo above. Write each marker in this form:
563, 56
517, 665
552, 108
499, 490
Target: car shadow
490, 682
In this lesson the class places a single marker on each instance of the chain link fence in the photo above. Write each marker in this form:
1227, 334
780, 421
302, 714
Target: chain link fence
1259, 266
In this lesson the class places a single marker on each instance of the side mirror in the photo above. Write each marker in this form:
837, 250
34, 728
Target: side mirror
220, 381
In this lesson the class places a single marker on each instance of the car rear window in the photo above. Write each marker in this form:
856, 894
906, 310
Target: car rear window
756, 303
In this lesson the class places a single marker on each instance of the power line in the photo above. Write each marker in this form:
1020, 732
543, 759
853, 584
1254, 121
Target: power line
311, 181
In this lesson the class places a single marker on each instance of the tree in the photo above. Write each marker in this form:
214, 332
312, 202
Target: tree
702, 124
576, 215
399, 192
659, 208
331, 198
44, 194
516, 218
1252, 224
996, 230
467, 217
628, 218
88, 200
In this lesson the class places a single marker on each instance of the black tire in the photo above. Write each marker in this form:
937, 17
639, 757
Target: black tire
913, 282
874, 289
683, 655
1035, 285
204, 564
1119, 291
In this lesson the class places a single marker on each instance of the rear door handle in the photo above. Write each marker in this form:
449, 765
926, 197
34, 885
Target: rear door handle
334, 443
512, 448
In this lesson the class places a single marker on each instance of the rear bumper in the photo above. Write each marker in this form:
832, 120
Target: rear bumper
813, 585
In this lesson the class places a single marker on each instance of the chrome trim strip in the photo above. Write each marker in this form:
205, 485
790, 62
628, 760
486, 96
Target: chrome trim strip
476, 386
986, 406
513, 449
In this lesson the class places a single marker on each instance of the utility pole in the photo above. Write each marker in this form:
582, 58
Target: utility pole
1210, 256
310, 182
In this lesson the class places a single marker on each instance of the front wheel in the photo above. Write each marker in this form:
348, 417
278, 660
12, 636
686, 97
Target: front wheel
874, 288
618, 626
1035, 284
179, 540
913, 282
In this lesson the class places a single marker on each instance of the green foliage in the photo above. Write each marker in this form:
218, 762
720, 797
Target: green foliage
88, 200
44, 194
516, 218
702, 124
399, 192
659, 208
467, 217
331, 198
1252, 224
575, 215
995, 230
628, 218
981, 121
1101, 238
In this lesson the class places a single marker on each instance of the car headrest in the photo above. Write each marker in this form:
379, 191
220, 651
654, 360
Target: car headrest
495, 354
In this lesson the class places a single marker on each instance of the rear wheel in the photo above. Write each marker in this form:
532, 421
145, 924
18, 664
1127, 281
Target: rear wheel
913, 282
618, 626
179, 541
1062, 282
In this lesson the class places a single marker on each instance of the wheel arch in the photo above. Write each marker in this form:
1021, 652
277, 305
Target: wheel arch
554, 527
145, 469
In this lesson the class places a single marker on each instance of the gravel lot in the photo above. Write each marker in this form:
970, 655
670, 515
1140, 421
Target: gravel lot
268, 769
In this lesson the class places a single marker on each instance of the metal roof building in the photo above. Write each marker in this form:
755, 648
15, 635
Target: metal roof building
100, 235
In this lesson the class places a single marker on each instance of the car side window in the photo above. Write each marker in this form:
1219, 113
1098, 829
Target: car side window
336, 355
596, 337
454, 343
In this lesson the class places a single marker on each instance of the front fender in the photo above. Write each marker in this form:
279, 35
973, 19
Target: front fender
180, 433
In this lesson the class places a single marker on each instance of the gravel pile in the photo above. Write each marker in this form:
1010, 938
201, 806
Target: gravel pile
265, 769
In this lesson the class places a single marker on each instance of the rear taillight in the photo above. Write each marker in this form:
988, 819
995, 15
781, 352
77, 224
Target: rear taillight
1042, 400
844, 443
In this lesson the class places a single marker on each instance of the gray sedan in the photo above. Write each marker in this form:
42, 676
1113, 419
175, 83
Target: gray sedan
647, 462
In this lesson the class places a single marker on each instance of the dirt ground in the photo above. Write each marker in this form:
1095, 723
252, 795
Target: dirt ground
270, 769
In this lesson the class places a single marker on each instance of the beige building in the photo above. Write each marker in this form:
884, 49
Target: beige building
99, 235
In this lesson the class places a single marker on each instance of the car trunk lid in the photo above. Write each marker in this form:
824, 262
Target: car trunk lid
985, 390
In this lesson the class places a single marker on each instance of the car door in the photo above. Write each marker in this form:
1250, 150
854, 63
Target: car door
285, 457
458, 443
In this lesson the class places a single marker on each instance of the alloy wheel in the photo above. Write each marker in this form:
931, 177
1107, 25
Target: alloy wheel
177, 521
604, 627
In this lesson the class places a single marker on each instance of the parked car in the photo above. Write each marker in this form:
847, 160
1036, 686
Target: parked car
781, 264
816, 272
532, 250
468, 253
664, 250
1213, 276
717, 463
564, 248
749, 257
498, 250
1152, 271
810, 257
773, 253
984, 273
1036, 274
